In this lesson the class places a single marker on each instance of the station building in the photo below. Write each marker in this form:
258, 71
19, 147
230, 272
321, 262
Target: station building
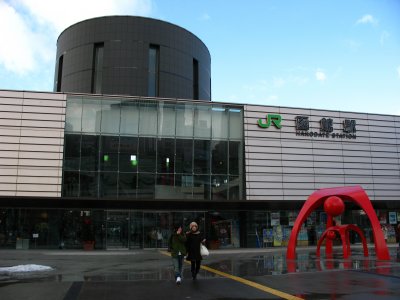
130, 143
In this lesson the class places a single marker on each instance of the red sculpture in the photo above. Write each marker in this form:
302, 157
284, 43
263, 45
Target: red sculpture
332, 198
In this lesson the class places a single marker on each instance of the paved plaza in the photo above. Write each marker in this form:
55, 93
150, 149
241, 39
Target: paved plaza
226, 274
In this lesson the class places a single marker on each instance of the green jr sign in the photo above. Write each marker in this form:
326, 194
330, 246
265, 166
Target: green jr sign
275, 119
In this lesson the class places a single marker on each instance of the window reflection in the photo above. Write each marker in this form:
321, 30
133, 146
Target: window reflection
201, 157
127, 185
147, 154
89, 186
109, 153
72, 151
160, 150
165, 155
89, 152
128, 156
219, 153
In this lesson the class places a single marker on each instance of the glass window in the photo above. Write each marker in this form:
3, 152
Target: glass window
219, 156
235, 123
201, 189
70, 184
146, 184
154, 58
108, 184
184, 156
89, 152
148, 118
91, 115
73, 118
184, 120
72, 152
147, 154
88, 184
184, 186
166, 119
219, 123
235, 158
165, 155
59, 73
97, 69
235, 188
195, 79
129, 118
128, 156
201, 157
109, 153
202, 121
127, 185
220, 186
165, 187
110, 116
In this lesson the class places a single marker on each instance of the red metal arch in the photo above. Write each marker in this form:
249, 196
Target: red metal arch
354, 194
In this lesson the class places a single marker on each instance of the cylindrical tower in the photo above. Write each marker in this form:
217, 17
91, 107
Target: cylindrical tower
127, 55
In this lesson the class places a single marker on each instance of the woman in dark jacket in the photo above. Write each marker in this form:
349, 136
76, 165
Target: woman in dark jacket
193, 240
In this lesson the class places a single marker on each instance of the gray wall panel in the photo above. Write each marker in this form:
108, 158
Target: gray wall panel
370, 160
31, 143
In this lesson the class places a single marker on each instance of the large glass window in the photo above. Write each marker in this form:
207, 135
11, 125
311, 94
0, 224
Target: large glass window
184, 186
127, 185
97, 69
165, 155
202, 121
235, 123
184, 120
108, 184
154, 58
109, 153
148, 118
201, 157
220, 186
235, 158
129, 118
72, 151
165, 187
147, 154
90, 152
219, 123
128, 156
91, 115
166, 119
110, 116
73, 119
88, 184
146, 186
184, 156
71, 184
219, 154
201, 188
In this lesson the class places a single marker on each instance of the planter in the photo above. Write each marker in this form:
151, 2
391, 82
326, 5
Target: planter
212, 245
88, 245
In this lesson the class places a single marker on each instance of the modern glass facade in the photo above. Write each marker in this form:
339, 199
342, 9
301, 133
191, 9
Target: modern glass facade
143, 149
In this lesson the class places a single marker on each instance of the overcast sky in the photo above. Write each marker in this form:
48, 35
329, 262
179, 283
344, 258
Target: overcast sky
338, 54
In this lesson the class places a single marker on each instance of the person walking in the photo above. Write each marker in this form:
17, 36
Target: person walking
193, 240
178, 251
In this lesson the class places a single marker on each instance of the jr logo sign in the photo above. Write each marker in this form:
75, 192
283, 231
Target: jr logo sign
275, 119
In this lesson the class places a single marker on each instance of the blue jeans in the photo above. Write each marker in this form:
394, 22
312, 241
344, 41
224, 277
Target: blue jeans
177, 262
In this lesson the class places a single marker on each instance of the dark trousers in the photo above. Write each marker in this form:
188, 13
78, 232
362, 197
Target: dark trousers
195, 266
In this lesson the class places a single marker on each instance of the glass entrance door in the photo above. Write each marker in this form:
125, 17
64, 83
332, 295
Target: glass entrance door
117, 229
156, 227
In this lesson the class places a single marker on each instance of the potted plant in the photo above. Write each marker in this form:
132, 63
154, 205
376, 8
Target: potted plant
87, 234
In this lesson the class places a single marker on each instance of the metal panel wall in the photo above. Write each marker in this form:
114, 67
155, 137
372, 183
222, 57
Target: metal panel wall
31, 143
281, 165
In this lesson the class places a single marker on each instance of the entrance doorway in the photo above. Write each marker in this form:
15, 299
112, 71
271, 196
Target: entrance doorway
117, 230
